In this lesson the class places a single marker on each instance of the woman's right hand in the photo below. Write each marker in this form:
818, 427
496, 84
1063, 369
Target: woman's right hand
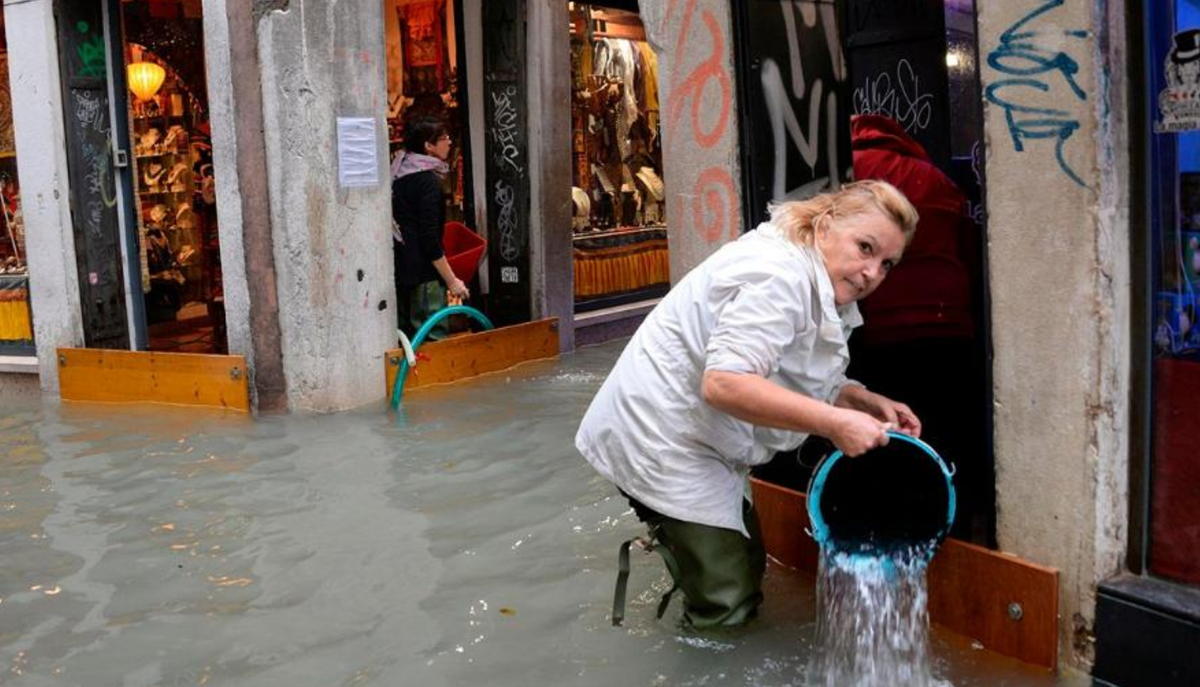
459, 290
855, 432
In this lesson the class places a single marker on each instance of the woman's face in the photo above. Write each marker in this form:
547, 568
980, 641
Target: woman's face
439, 147
859, 252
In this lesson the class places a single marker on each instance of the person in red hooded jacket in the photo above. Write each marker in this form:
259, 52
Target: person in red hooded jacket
918, 341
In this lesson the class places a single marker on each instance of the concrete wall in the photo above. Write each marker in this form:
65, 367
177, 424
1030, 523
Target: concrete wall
18, 386
42, 172
333, 254
225, 171
694, 44
549, 70
1059, 283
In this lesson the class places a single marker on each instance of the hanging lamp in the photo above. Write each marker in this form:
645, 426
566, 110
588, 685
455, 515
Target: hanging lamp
145, 78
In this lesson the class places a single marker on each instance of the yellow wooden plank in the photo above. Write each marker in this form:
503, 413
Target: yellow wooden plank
470, 355
14, 321
89, 374
971, 589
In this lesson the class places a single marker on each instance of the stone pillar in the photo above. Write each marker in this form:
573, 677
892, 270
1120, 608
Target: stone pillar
333, 254
217, 57
694, 44
1059, 282
42, 171
549, 84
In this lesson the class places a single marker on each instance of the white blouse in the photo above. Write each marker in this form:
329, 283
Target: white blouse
759, 305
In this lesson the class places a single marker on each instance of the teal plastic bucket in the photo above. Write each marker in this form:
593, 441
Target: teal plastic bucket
894, 499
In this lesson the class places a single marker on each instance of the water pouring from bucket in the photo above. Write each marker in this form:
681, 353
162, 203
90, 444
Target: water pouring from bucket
878, 519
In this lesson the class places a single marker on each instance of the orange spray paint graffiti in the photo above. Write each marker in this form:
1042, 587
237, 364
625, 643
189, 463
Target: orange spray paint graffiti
714, 198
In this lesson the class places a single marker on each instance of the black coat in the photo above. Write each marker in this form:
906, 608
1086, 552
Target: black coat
418, 209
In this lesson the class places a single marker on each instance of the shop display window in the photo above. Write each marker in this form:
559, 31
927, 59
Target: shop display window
618, 195
1174, 499
174, 188
16, 321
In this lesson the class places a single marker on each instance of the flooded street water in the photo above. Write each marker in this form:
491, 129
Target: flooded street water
463, 542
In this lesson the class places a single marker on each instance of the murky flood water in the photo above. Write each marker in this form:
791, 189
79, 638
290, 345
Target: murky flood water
461, 543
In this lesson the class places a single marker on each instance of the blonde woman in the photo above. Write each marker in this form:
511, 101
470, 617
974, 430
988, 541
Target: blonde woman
744, 357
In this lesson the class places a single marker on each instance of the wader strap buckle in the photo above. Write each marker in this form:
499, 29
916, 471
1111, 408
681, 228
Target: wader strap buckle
647, 545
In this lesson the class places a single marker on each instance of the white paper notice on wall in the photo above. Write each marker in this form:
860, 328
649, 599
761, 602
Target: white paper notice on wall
358, 159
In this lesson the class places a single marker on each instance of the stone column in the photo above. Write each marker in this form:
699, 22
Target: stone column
694, 44
1059, 281
333, 253
229, 190
42, 171
549, 60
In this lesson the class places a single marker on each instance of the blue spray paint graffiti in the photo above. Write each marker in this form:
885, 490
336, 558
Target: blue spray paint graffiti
1028, 63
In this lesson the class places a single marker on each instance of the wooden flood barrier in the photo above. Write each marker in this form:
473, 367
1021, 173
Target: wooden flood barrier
1006, 603
186, 379
470, 355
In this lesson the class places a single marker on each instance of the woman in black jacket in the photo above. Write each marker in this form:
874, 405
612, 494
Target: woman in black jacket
420, 217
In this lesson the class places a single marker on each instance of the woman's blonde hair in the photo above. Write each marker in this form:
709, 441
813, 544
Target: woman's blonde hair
799, 219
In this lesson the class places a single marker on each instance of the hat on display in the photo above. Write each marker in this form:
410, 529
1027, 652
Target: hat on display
652, 182
158, 213
154, 174
1187, 47
184, 217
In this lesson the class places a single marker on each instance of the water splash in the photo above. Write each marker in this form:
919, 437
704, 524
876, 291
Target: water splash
872, 623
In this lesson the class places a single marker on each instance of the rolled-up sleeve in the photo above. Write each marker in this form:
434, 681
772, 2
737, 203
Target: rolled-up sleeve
839, 383
754, 328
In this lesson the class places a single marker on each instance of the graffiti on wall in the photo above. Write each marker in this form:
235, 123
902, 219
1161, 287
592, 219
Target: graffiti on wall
506, 129
506, 157
1039, 90
823, 105
713, 198
796, 128
901, 99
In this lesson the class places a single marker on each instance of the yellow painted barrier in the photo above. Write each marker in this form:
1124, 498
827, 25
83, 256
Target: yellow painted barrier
189, 379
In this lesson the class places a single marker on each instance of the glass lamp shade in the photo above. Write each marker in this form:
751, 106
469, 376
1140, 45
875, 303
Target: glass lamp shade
145, 78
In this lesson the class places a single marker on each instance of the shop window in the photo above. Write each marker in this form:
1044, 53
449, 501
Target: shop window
618, 194
16, 323
1174, 528
174, 191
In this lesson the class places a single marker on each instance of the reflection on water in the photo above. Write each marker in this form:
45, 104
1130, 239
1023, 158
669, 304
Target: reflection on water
461, 543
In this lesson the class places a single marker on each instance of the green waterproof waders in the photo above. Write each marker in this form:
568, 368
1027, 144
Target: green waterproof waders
718, 570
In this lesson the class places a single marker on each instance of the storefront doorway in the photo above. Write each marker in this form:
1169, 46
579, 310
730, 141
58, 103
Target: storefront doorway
426, 78
618, 193
173, 191
140, 158
853, 89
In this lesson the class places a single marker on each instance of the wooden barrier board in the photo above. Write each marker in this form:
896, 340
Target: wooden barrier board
190, 379
471, 355
972, 590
